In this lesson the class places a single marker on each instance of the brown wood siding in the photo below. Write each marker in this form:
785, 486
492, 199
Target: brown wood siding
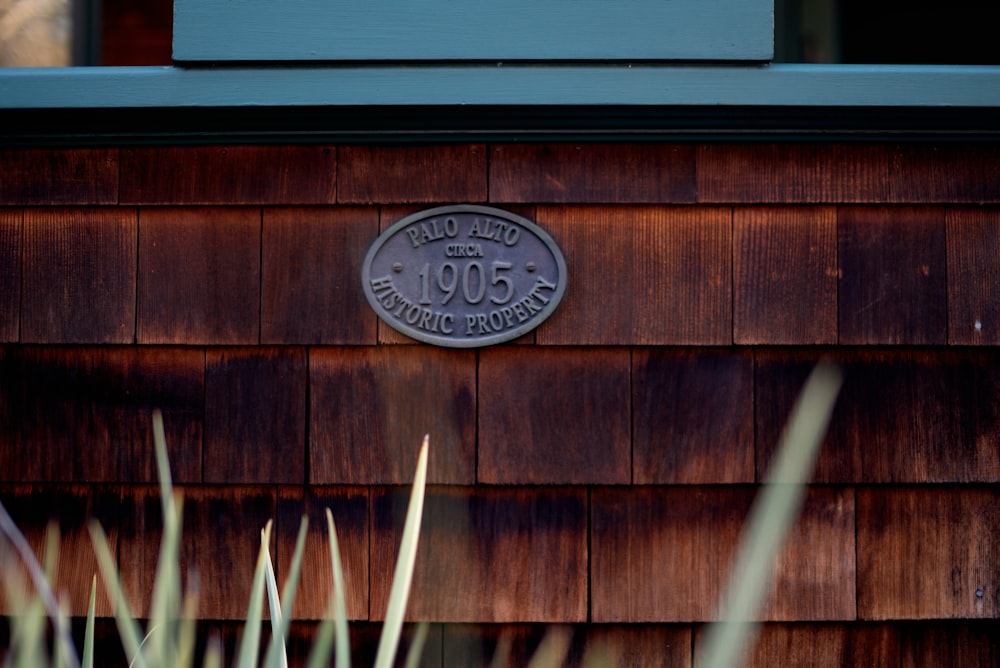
594, 474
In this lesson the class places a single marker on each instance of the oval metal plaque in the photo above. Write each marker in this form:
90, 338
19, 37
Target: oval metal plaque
464, 276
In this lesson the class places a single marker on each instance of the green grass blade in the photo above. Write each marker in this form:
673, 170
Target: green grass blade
187, 635
273, 603
403, 577
416, 650
335, 623
773, 514
165, 604
213, 653
128, 629
277, 656
88, 634
250, 643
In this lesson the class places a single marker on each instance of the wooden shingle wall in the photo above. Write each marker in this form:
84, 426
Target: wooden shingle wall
594, 473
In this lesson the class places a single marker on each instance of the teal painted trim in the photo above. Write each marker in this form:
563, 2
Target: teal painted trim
441, 30
388, 87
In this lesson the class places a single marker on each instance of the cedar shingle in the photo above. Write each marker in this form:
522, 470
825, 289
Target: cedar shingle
229, 175
928, 552
892, 285
398, 174
947, 643
70, 508
792, 173
59, 176
973, 276
947, 172
785, 275
11, 233
593, 173
692, 416
664, 554
642, 275
826, 645
199, 276
371, 407
255, 415
86, 413
554, 416
79, 276
220, 542
311, 287
349, 506
486, 554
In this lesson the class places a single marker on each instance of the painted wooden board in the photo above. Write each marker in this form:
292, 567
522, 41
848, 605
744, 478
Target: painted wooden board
79, 276
785, 275
311, 287
229, 175
371, 407
670, 269
397, 30
554, 416
692, 416
199, 276
593, 173
486, 554
255, 415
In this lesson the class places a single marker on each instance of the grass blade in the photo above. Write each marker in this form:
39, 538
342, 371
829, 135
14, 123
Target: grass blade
416, 650
553, 649
88, 634
335, 622
165, 604
277, 656
403, 576
771, 518
273, 603
250, 643
128, 629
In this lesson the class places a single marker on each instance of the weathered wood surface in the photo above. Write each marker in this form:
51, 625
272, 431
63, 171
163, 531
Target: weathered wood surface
664, 554
928, 552
79, 276
371, 407
11, 243
310, 290
592, 173
255, 415
960, 172
825, 645
59, 176
785, 275
642, 275
973, 240
199, 276
892, 275
85, 414
401, 174
692, 416
487, 555
554, 416
229, 175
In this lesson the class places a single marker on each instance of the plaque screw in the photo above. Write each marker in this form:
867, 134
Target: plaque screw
397, 267
531, 266
979, 593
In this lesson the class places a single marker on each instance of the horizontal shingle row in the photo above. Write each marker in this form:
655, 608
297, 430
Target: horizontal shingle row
701, 275
528, 173
515, 415
553, 555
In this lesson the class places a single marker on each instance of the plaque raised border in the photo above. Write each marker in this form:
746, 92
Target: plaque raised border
464, 276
